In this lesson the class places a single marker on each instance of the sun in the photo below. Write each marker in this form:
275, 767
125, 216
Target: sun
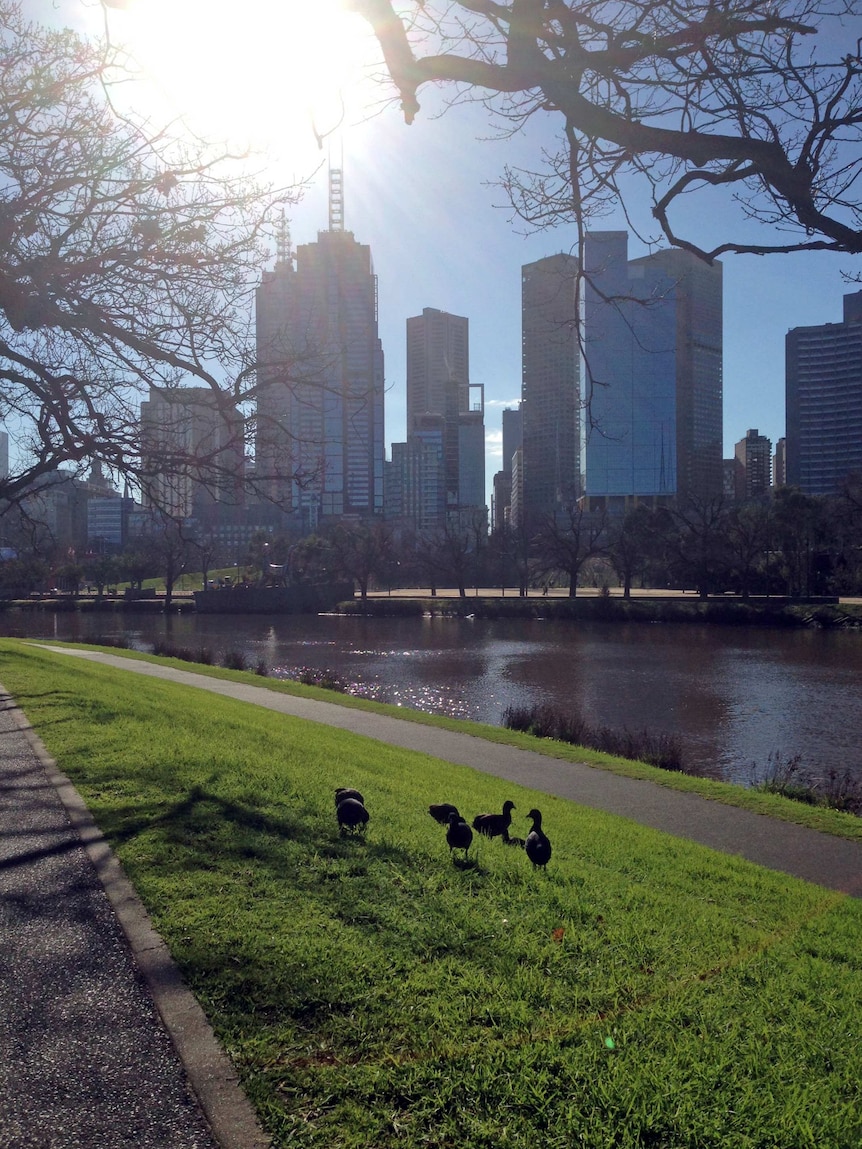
272, 75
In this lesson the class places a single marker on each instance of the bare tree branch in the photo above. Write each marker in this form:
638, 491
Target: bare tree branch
748, 99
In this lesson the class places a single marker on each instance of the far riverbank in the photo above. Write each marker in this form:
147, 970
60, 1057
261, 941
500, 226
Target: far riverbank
588, 606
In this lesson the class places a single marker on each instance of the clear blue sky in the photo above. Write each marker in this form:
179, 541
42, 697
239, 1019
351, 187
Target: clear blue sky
441, 237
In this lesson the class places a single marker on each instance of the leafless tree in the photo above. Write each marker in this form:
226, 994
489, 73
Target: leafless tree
127, 259
567, 540
760, 103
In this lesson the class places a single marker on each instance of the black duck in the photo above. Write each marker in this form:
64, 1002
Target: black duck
440, 811
536, 843
459, 835
352, 816
345, 792
495, 825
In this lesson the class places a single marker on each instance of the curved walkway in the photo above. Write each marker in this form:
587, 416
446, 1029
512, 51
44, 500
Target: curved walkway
101, 1044
820, 858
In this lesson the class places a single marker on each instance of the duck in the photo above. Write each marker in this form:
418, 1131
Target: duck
536, 844
459, 835
352, 815
440, 811
495, 825
343, 792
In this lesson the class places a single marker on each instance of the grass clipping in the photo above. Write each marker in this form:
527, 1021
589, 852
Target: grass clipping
643, 991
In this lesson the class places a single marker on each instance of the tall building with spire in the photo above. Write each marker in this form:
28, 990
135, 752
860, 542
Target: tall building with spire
319, 428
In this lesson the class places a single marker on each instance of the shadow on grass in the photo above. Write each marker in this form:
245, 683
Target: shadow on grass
214, 829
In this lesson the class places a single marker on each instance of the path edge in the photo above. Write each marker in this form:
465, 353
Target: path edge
209, 1071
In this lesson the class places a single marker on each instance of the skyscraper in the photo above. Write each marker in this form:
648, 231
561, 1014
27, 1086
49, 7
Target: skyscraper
823, 388
753, 456
320, 435
192, 452
550, 387
653, 373
443, 406
513, 438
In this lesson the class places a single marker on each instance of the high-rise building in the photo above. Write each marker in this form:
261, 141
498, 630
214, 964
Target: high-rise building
192, 452
753, 472
442, 402
652, 373
513, 436
320, 434
779, 464
823, 391
550, 387
416, 490
513, 433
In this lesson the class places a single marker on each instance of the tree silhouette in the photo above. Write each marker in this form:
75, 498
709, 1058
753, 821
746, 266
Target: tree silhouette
760, 104
127, 258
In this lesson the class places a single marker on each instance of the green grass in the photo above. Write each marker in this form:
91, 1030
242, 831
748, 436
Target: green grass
819, 818
643, 992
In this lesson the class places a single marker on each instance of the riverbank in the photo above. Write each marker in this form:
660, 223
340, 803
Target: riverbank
723, 610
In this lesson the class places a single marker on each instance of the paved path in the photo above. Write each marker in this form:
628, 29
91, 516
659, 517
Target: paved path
821, 858
101, 1045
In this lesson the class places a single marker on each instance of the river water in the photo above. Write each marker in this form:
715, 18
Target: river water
733, 695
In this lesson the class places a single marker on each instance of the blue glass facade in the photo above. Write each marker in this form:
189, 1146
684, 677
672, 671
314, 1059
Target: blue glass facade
652, 372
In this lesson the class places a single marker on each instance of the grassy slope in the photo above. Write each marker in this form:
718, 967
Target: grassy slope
773, 805
644, 992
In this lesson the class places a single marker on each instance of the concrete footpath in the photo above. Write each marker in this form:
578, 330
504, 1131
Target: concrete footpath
101, 1044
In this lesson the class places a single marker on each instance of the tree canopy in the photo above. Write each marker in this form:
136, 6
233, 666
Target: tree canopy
758, 103
128, 259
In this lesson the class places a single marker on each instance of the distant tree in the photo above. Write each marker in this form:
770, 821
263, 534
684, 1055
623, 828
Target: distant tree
747, 530
205, 545
171, 548
566, 541
307, 560
630, 544
511, 555
799, 530
102, 571
136, 563
69, 576
360, 551
756, 106
692, 534
20, 576
126, 259
845, 518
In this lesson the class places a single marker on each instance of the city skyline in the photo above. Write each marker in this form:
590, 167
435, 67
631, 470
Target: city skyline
423, 197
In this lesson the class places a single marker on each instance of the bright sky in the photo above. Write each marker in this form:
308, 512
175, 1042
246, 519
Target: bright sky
270, 72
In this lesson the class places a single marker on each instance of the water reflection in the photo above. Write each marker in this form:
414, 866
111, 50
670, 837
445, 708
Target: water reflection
734, 695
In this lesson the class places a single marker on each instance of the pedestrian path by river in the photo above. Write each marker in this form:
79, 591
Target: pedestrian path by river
821, 858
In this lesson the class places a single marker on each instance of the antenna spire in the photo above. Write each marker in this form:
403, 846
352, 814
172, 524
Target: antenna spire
283, 250
336, 199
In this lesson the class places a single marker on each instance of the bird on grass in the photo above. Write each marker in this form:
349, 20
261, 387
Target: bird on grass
352, 816
536, 844
459, 835
343, 792
495, 825
440, 811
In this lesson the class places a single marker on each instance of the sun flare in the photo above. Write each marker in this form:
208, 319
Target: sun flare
277, 75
